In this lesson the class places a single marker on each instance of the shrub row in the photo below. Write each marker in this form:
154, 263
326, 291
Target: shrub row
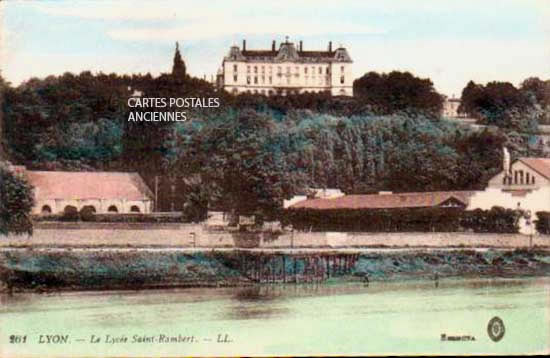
83, 215
495, 220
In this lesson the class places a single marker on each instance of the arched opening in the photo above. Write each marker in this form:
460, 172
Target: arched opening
134, 209
112, 209
46, 210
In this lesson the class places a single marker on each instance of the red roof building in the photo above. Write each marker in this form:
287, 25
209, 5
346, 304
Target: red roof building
390, 201
102, 191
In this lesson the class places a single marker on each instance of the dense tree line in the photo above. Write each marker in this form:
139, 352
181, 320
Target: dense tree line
253, 151
252, 161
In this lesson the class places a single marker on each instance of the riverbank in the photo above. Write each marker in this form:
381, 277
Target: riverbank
43, 270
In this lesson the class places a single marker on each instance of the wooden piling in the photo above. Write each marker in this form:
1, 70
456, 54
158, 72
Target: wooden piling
284, 269
295, 269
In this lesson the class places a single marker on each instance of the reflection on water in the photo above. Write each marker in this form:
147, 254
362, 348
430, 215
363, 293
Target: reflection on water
302, 319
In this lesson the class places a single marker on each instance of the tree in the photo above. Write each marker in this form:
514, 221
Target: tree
537, 88
178, 68
240, 160
16, 202
4, 86
493, 103
398, 92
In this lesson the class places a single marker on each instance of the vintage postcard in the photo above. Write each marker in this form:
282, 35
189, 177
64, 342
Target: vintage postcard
274, 178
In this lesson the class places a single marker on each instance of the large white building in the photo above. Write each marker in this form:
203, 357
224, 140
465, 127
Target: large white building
287, 70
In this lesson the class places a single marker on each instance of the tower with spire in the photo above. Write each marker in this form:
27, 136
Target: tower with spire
178, 67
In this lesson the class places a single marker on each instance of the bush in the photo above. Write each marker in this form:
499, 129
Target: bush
70, 214
542, 224
497, 220
87, 213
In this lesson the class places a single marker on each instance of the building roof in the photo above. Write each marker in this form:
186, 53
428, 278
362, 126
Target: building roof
540, 165
88, 185
387, 201
288, 52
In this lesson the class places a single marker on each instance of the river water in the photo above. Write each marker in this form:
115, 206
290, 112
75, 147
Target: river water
310, 319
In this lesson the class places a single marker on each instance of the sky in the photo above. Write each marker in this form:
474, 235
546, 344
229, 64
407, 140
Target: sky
449, 41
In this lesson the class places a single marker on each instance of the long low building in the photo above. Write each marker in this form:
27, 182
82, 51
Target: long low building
523, 184
103, 192
389, 200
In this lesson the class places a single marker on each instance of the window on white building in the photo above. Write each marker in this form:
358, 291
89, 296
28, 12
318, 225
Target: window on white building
255, 80
235, 68
255, 69
248, 69
320, 70
341, 80
247, 80
234, 78
270, 80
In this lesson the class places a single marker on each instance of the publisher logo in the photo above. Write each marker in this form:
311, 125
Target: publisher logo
496, 329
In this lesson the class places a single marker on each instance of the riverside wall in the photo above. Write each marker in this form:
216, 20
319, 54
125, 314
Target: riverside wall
199, 236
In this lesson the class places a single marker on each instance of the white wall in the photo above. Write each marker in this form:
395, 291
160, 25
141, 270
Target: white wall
101, 206
292, 75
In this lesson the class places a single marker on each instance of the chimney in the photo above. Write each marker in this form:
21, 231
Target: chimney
330, 46
273, 46
301, 45
244, 45
506, 161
